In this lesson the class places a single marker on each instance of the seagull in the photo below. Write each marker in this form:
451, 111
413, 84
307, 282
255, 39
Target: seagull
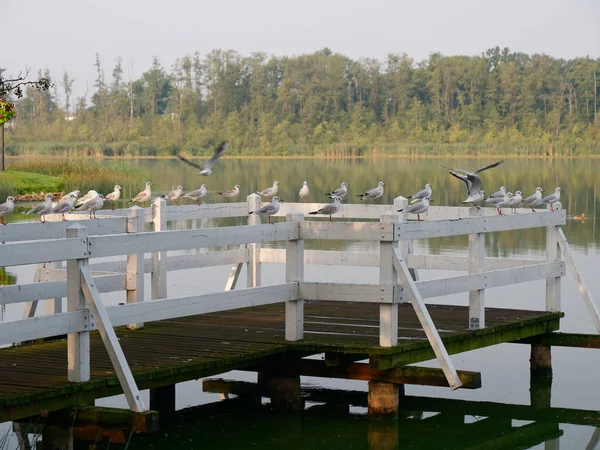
499, 193
552, 198
504, 202
114, 196
422, 194
232, 193
515, 201
206, 170
175, 194
339, 192
43, 208
418, 208
68, 196
477, 197
143, 196
197, 194
472, 181
269, 209
6, 208
64, 206
534, 199
93, 205
90, 195
303, 191
374, 193
329, 209
270, 192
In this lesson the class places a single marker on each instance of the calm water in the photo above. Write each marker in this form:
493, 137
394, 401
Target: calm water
505, 368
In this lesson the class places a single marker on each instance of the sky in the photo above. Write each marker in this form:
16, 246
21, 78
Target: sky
65, 35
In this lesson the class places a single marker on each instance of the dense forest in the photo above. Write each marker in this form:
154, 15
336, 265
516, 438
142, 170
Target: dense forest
320, 103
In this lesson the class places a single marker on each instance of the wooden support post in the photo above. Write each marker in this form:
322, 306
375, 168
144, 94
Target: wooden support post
78, 344
388, 313
111, 342
383, 434
540, 380
159, 259
294, 271
552, 284
162, 399
285, 393
406, 247
57, 438
384, 398
254, 272
53, 305
476, 265
135, 263
541, 360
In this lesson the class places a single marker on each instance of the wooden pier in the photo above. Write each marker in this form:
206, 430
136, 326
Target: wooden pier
153, 341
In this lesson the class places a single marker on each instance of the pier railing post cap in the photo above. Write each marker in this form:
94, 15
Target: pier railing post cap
76, 230
253, 195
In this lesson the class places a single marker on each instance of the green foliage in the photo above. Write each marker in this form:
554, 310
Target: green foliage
15, 183
321, 103
7, 111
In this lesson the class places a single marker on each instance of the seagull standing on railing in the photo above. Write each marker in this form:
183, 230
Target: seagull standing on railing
339, 192
206, 170
66, 197
372, 194
533, 200
515, 201
6, 208
303, 191
43, 208
504, 202
552, 198
269, 209
93, 205
114, 196
197, 194
87, 197
418, 208
499, 193
64, 206
422, 194
175, 194
231, 193
270, 192
330, 209
143, 196
473, 182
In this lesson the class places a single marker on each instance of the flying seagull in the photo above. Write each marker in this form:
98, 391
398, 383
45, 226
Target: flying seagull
207, 168
473, 182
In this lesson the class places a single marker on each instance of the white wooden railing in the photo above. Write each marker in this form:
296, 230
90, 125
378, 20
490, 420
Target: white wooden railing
116, 234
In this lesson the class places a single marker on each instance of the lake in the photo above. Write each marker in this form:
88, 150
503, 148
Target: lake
504, 368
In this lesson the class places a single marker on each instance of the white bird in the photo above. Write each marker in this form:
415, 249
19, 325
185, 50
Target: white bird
422, 194
418, 208
552, 198
68, 196
207, 168
6, 208
93, 205
64, 206
269, 209
499, 193
477, 197
330, 209
175, 194
114, 196
303, 191
43, 208
504, 202
270, 192
372, 194
87, 197
472, 180
231, 193
197, 194
339, 192
535, 199
143, 196
515, 201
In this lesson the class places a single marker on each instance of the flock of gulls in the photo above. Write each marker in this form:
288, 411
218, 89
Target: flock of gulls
420, 201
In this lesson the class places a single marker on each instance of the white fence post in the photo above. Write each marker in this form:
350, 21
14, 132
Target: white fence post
253, 272
406, 247
294, 271
53, 305
78, 344
553, 254
159, 259
476, 265
135, 263
388, 313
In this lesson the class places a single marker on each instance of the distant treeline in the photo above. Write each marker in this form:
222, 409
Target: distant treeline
321, 103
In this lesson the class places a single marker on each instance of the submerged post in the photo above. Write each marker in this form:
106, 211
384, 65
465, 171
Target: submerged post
159, 259
294, 271
135, 263
553, 254
78, 344
388, 313
253, 273
476, 265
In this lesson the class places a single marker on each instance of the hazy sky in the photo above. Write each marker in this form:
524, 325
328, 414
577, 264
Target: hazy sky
65, 34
